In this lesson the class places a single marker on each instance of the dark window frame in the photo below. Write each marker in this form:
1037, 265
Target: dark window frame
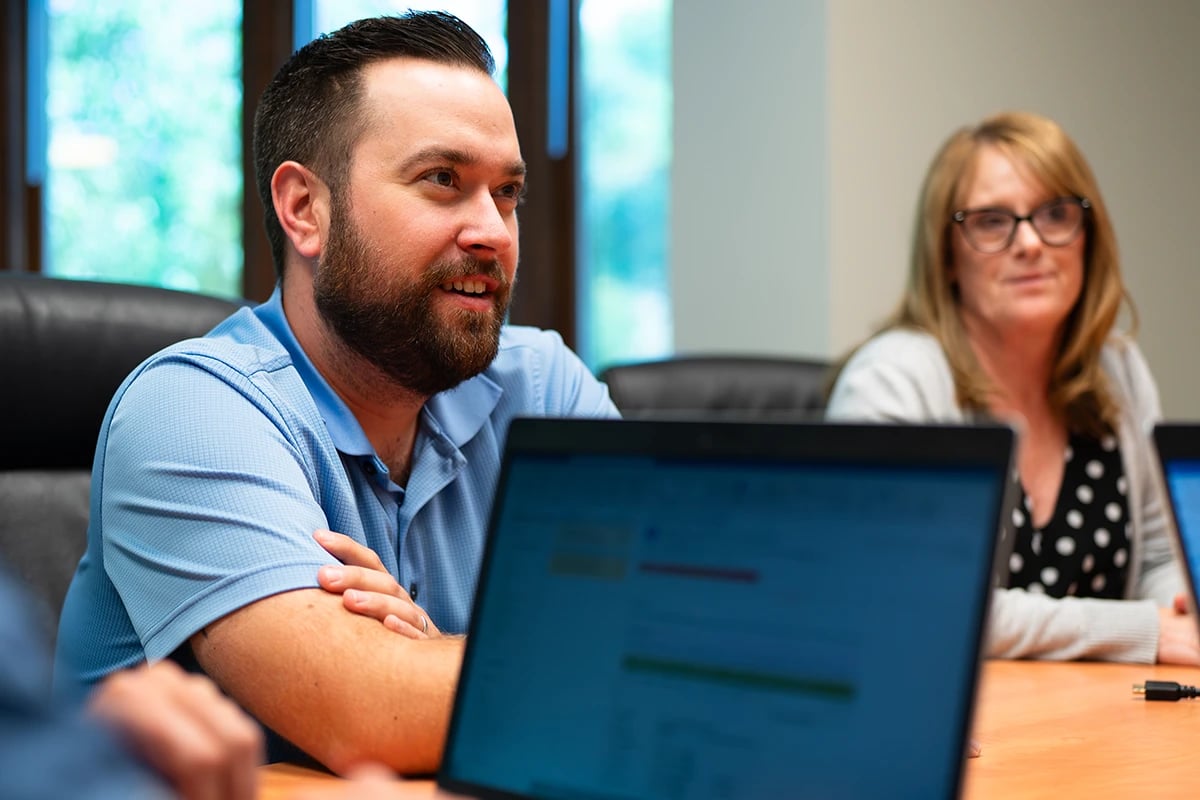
19, 220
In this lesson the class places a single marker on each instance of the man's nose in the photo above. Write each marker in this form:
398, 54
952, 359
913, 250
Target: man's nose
485, 227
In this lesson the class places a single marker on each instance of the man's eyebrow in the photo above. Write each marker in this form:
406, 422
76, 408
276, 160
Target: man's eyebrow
456, 157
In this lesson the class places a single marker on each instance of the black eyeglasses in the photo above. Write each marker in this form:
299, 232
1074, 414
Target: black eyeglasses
992, 230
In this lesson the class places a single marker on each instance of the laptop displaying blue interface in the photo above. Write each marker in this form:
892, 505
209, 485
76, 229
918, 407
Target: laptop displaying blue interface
1178, 447
729, 610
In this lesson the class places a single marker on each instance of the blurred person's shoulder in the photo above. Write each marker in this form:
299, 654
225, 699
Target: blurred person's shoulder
902, 346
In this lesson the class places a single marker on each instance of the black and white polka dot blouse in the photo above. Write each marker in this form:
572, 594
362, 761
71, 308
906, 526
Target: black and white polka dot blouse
1083, 550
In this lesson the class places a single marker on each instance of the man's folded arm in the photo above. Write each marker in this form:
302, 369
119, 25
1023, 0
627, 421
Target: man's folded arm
338, 685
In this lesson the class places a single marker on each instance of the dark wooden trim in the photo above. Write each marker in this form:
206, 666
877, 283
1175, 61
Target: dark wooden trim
267, 41
34, 232
18, 219
545, 294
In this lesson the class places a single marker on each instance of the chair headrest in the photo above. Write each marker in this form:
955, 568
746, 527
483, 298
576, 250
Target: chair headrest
65, 347
762, 386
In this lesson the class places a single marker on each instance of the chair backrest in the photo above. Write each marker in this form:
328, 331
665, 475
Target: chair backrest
65, 347
719, 385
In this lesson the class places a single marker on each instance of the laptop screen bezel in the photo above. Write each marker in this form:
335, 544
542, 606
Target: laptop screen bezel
1176, 442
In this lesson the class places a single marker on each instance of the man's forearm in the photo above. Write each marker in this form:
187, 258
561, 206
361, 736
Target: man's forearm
338, 685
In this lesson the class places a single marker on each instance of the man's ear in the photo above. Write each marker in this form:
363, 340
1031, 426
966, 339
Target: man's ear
302, 204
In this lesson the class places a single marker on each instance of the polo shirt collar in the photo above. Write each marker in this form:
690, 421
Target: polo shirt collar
344, 429
457, 414
461, 412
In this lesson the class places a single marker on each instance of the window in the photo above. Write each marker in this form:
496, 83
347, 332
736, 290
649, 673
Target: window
134, 161
139, 154
624, 135
624, 180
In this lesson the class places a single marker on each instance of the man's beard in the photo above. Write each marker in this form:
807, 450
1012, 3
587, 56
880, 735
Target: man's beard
395, 326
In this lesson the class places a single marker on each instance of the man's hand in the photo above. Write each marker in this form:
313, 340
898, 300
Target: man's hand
181, 725
369, 589
1178, 637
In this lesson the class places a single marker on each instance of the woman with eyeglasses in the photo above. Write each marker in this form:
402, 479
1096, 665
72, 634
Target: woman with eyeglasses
1010, 313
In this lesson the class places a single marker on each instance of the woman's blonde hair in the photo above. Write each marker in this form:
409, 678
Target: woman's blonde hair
1078, 390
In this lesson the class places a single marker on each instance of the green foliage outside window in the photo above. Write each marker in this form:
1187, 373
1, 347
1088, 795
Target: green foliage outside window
625, 155
144, 177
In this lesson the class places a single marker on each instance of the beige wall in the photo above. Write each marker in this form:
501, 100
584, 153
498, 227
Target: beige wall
897, 76
749, 211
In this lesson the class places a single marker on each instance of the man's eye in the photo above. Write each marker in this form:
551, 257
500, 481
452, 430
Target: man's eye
442, 177
513, 191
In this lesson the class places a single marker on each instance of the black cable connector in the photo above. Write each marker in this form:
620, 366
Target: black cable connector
1165, 690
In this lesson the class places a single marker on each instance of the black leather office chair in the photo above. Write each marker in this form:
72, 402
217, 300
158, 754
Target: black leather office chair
65, 347
719, 386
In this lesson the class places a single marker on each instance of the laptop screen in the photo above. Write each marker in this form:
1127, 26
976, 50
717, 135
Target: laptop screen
715, 610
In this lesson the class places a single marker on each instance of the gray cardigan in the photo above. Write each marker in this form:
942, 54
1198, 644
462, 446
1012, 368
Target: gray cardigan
903, 376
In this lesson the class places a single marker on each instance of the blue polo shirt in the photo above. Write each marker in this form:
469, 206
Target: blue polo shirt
220, 456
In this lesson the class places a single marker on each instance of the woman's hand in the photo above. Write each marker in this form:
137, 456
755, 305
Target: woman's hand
369, 589
1178, 635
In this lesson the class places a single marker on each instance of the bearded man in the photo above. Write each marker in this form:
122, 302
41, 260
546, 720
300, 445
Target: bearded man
369, 396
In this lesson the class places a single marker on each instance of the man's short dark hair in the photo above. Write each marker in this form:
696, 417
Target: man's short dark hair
310, 112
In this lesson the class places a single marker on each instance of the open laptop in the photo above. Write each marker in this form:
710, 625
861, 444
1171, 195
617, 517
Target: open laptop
1178, 447
673, 609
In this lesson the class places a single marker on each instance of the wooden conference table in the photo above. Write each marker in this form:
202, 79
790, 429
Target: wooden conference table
1048, 730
